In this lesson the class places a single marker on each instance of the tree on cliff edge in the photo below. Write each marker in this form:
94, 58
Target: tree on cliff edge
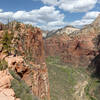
6, 42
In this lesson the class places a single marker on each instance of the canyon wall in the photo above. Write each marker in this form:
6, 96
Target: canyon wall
27, 59
78, 48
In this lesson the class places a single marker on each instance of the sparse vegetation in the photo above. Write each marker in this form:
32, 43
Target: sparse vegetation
92, 89
27, 51
3, 65
15, 76
7, 42
20, 88
64, 78
18, 25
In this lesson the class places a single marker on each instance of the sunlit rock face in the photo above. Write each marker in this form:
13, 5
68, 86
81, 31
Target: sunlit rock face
78, 49
35, 77
33, 44
29, 61
6, 93
67, 30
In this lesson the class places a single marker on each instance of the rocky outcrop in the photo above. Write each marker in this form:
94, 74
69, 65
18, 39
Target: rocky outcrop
27, 60
77, 49
54, 45
36, 76
31, 47
80, 50
6, 93
66, 30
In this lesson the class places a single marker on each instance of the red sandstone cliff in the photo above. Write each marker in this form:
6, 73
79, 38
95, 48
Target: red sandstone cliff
27, 59
32, 43
78, 49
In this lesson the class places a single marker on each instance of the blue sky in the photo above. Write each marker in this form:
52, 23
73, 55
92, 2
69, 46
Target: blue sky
50, 14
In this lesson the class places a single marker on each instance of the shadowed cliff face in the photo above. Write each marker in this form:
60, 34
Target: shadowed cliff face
78, 49
95, 63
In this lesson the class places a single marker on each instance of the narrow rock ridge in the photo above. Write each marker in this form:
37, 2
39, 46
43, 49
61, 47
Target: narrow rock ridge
29, 61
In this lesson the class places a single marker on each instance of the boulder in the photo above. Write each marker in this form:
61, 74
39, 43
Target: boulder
6, 93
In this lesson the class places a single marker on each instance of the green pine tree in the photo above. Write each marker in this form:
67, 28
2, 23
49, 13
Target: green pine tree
6, 42
18, 26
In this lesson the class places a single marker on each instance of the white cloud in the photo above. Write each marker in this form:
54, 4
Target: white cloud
82, 22
87, 19
91, 15
72, 5
6, 15
78, 5
32, 23
46, 17
54, 25
50, 2
1, 10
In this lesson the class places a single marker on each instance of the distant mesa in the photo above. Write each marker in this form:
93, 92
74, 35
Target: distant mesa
66, 30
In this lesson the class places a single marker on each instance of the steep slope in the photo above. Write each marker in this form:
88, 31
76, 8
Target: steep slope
6, 92
22, 48
55, 44
66, 30
78, 49
31, 46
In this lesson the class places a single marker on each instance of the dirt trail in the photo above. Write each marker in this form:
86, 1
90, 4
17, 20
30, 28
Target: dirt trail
79, 91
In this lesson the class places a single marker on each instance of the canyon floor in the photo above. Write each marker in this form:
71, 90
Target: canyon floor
69, 82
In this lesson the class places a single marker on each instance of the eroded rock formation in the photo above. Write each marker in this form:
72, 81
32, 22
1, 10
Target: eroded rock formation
27, 59
78, 49
32, 43
6, 93
36, 76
